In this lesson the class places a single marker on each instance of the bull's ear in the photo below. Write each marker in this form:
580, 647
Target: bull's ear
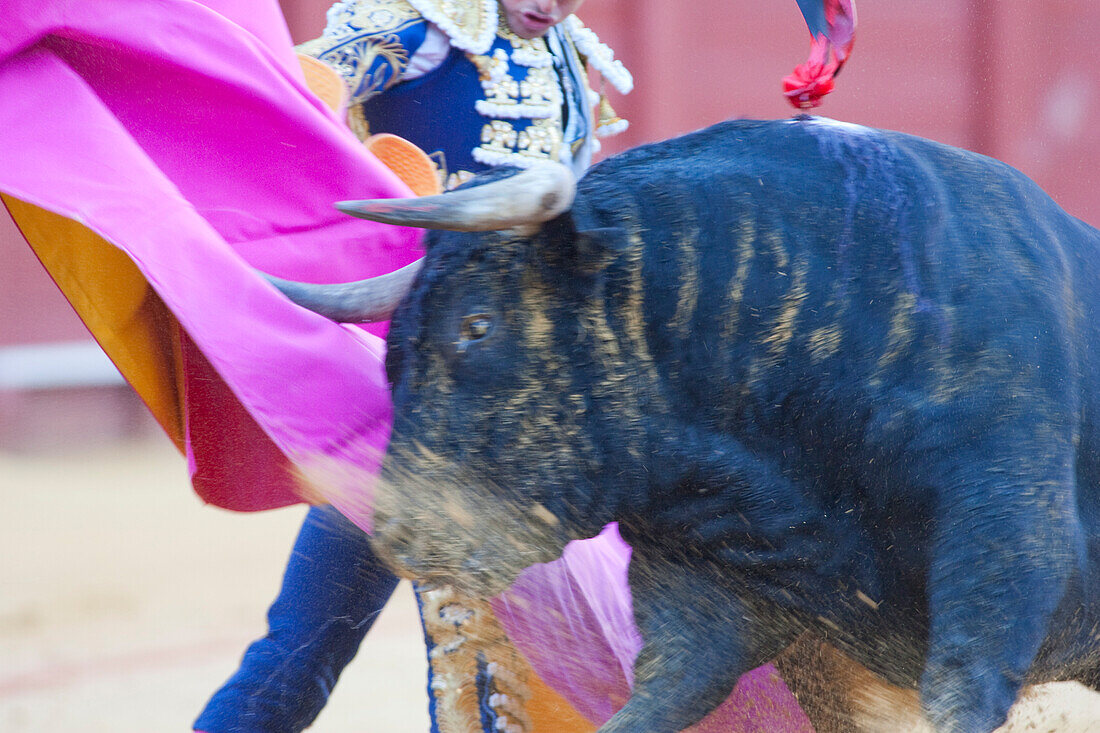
571, 243
596, 248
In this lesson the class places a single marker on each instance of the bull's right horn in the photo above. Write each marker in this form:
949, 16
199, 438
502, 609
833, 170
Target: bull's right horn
364, 301
526, 199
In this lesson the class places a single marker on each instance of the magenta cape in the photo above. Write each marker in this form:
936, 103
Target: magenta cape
181, 133
582, 641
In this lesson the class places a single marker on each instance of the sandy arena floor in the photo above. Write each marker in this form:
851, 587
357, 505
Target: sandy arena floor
125, 602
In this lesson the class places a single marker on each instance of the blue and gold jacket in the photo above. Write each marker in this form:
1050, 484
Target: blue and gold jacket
452, 78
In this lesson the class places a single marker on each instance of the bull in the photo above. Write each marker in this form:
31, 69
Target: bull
829, 380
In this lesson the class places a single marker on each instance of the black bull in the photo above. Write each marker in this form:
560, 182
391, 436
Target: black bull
827, 379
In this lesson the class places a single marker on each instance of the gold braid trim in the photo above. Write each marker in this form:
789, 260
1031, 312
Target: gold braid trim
471, 25
358, 34
358, 123
463, 629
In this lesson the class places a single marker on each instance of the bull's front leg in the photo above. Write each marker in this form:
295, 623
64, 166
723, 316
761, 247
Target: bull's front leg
699, 638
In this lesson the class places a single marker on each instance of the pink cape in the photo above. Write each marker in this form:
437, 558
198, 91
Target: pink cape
181, 132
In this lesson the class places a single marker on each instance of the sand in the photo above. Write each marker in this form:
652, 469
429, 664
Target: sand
125, 601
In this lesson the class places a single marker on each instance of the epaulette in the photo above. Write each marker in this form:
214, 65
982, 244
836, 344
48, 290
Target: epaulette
376, 16
471, 26
598, 55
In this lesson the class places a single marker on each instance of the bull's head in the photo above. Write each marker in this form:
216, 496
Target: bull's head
511, 405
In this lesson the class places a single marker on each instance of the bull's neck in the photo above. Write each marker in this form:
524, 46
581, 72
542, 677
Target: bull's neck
691, 321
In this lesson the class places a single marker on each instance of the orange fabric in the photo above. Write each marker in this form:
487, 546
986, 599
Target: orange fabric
550, 713
117, 305
323, 81
411, 164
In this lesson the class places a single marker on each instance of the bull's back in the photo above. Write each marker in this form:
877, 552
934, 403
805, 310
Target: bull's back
782, 255
845, 298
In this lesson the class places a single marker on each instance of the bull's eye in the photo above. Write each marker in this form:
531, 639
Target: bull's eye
475, 327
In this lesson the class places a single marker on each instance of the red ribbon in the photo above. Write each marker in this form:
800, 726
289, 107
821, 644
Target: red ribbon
807, 85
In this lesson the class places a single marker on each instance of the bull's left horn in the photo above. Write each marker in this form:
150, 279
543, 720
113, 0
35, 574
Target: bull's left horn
364, 301
531, 197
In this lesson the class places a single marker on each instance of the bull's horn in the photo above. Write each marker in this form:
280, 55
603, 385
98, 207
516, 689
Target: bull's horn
364, 301
531, 197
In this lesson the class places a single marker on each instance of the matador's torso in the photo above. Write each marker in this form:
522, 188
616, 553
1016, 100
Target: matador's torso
452, 78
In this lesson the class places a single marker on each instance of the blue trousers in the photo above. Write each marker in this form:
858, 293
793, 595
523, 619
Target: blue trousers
332, 591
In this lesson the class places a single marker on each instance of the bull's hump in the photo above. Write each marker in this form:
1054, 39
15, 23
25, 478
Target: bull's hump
839, 126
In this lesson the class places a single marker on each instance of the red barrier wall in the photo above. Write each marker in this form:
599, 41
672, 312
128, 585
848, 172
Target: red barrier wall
1014, 79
